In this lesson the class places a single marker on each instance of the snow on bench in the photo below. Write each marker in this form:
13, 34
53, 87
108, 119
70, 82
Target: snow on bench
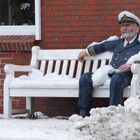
55, 73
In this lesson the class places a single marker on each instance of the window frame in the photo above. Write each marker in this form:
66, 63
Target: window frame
25, 29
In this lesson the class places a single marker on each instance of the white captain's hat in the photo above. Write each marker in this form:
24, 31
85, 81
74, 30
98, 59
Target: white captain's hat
126, 16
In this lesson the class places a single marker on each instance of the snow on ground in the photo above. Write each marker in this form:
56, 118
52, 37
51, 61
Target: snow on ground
40, 129
107, 123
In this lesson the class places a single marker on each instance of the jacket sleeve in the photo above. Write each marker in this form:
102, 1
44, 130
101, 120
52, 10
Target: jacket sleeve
99, 48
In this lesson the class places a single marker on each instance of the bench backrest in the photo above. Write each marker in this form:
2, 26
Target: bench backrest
65, 61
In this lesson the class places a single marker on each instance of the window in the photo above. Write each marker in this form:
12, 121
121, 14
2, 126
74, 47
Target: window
20, 17
17, 12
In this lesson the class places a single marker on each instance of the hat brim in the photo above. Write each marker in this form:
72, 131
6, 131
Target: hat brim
128, 21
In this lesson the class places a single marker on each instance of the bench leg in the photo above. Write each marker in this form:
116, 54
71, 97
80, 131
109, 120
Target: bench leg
135, 85
28, 104
7, 108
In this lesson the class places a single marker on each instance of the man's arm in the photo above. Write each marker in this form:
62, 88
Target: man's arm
90, 50
105, 45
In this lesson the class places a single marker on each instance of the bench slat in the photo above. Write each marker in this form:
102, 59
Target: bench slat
72, 67
64, 68
50, 67
57, 67
79, 69
95, 65
42, 67
103, 62
87, 66
58, 54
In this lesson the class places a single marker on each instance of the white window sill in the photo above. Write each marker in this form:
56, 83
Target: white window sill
17, 30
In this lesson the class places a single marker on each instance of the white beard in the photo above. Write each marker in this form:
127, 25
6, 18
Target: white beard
128, 35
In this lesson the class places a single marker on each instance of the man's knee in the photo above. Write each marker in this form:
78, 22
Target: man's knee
116, 79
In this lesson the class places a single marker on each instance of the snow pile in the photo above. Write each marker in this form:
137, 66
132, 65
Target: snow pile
37, 79
113, 123
100, 76
38, 75
110, 123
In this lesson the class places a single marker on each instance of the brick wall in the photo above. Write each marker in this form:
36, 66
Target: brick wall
70, 24
76, 23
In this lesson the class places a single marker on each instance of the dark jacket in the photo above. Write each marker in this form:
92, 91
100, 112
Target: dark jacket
121, 54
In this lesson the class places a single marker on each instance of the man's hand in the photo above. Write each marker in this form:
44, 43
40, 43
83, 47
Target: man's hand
125, 67
82, 55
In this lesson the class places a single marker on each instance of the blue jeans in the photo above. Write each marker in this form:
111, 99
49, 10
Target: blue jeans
85, 91
118, 82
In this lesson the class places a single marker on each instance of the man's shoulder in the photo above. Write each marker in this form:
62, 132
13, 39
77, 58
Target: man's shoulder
115, 41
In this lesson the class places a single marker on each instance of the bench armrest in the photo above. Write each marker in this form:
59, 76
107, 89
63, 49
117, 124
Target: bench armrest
135, 68
10, 68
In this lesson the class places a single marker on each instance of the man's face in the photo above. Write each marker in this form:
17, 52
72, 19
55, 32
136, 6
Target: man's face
129, 30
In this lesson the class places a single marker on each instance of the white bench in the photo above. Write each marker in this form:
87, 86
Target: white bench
60, 62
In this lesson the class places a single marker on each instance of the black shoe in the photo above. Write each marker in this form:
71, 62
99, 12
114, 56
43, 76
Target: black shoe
84, 113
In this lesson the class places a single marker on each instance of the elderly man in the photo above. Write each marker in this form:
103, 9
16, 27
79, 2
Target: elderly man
123, 49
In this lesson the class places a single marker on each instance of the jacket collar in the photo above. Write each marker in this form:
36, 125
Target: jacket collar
131, 41
130, 45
